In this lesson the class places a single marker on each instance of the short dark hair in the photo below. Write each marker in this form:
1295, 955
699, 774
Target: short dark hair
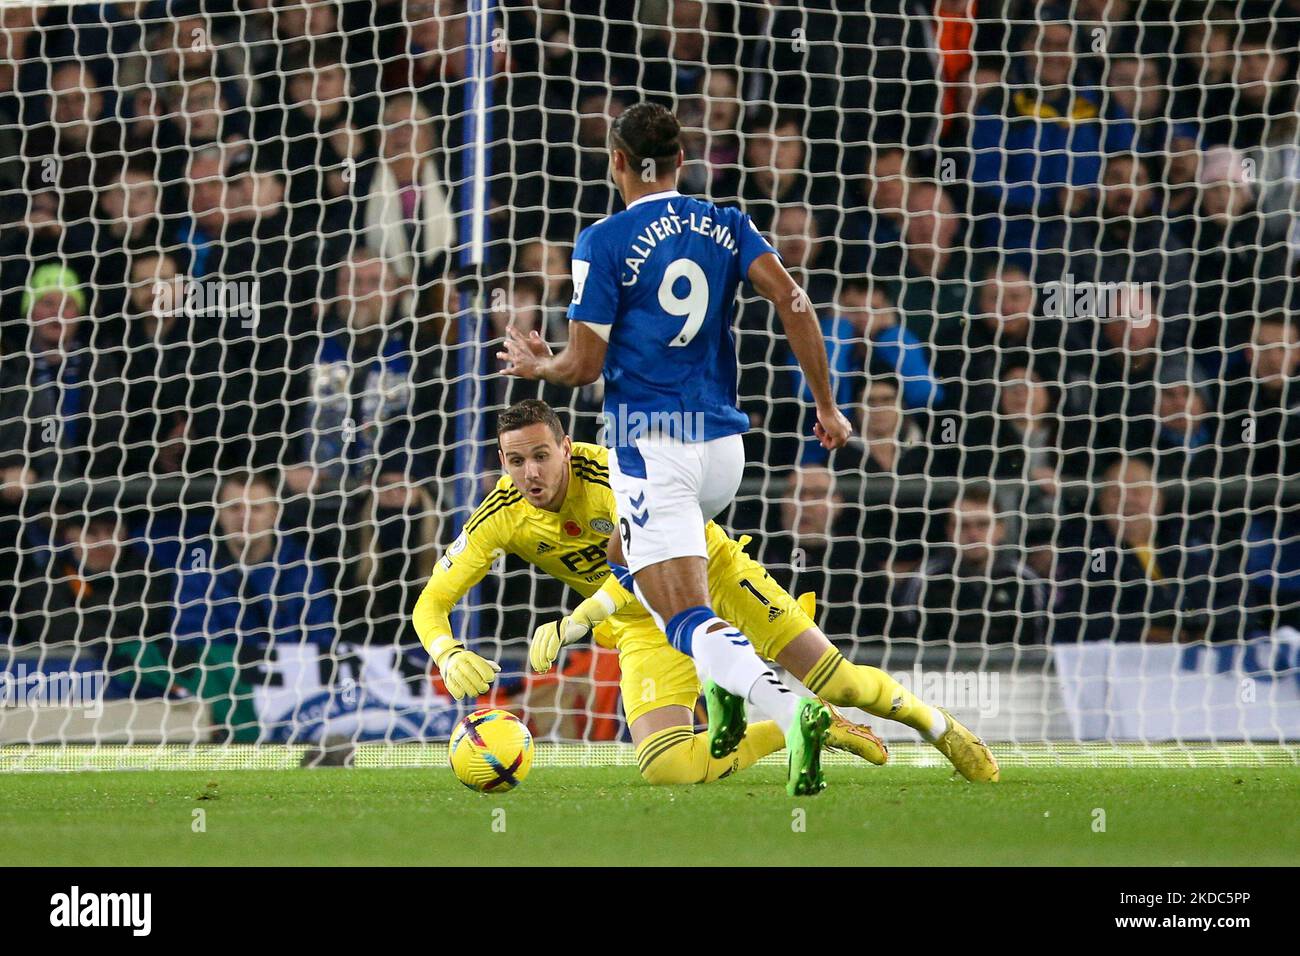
1274, 317
1258, 33
648, 131
531, 411
975, 493
869, 285
268, 479
69, 522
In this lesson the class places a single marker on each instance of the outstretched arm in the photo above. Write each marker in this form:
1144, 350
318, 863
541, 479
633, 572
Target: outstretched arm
529, 357
799, 321
464, 673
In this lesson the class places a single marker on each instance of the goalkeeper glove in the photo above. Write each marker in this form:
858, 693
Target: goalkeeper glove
553, 635
464, 673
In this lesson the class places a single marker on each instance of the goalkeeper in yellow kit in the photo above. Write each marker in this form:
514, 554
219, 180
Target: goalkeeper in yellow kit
554, 509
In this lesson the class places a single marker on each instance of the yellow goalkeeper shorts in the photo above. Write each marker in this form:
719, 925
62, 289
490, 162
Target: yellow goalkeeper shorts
655, 674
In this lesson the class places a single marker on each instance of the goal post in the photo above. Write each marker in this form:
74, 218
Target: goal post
256, 260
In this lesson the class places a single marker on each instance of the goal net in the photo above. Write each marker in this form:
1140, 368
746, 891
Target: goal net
256, 259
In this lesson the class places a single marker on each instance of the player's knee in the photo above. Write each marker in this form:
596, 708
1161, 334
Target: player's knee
669, 773
668, 759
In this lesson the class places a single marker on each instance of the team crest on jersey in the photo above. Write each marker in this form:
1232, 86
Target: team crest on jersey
573, 529
602, 526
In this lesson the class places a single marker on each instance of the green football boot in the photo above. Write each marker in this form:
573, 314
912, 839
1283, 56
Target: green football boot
727, 721
804, 742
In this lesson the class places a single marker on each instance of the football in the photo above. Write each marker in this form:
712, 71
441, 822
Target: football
491, 751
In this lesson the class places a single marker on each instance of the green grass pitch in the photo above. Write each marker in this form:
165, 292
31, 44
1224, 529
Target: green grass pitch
891, 816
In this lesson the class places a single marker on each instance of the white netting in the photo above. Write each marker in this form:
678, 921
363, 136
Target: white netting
1052, 247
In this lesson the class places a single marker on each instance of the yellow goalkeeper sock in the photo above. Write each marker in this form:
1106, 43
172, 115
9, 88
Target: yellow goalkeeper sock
835, 680
677, 755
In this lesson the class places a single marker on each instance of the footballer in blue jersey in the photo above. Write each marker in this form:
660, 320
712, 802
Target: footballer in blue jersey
668, 268
654, 298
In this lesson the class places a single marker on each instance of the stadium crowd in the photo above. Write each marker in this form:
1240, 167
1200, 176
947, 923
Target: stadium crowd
1052, 246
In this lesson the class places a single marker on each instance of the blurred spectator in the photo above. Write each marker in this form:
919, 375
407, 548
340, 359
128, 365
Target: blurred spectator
672, 58
1030, 445
355, 406
254, 293
129, 221
88, 591
302, 28
1122, 346
156, 363
78, 142
1188, 443
887, 441
1036, 139
935, 287
722, 131
1008, 334
200, 112
1266, 431
889, 96
774, 175
418, 50
68, 395
886, 447
405, 214
816, 541
1123, 239
1261, 94
1266, 426
1239, 272
1142, 574
321, 133
1138, 95
189, 47
955, 34
240, 593
1122, 32
975, 590
865, 336
891, 347
578, 189
797, 239
548, 264
41, 237
392, 544
872, 239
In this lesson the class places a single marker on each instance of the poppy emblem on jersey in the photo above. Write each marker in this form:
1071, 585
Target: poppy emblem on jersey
572, 529
602, 526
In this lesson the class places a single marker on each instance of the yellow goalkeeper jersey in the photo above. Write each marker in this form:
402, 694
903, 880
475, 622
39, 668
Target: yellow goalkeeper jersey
568, 544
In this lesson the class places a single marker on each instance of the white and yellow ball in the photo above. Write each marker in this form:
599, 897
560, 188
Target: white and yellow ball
491, 751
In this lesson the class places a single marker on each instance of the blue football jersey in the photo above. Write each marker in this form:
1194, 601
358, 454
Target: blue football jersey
658, 282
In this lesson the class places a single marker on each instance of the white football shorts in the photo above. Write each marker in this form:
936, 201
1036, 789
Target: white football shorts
667, 490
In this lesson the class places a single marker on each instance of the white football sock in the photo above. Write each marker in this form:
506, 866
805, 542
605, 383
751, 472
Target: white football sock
728, 659
938, 726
